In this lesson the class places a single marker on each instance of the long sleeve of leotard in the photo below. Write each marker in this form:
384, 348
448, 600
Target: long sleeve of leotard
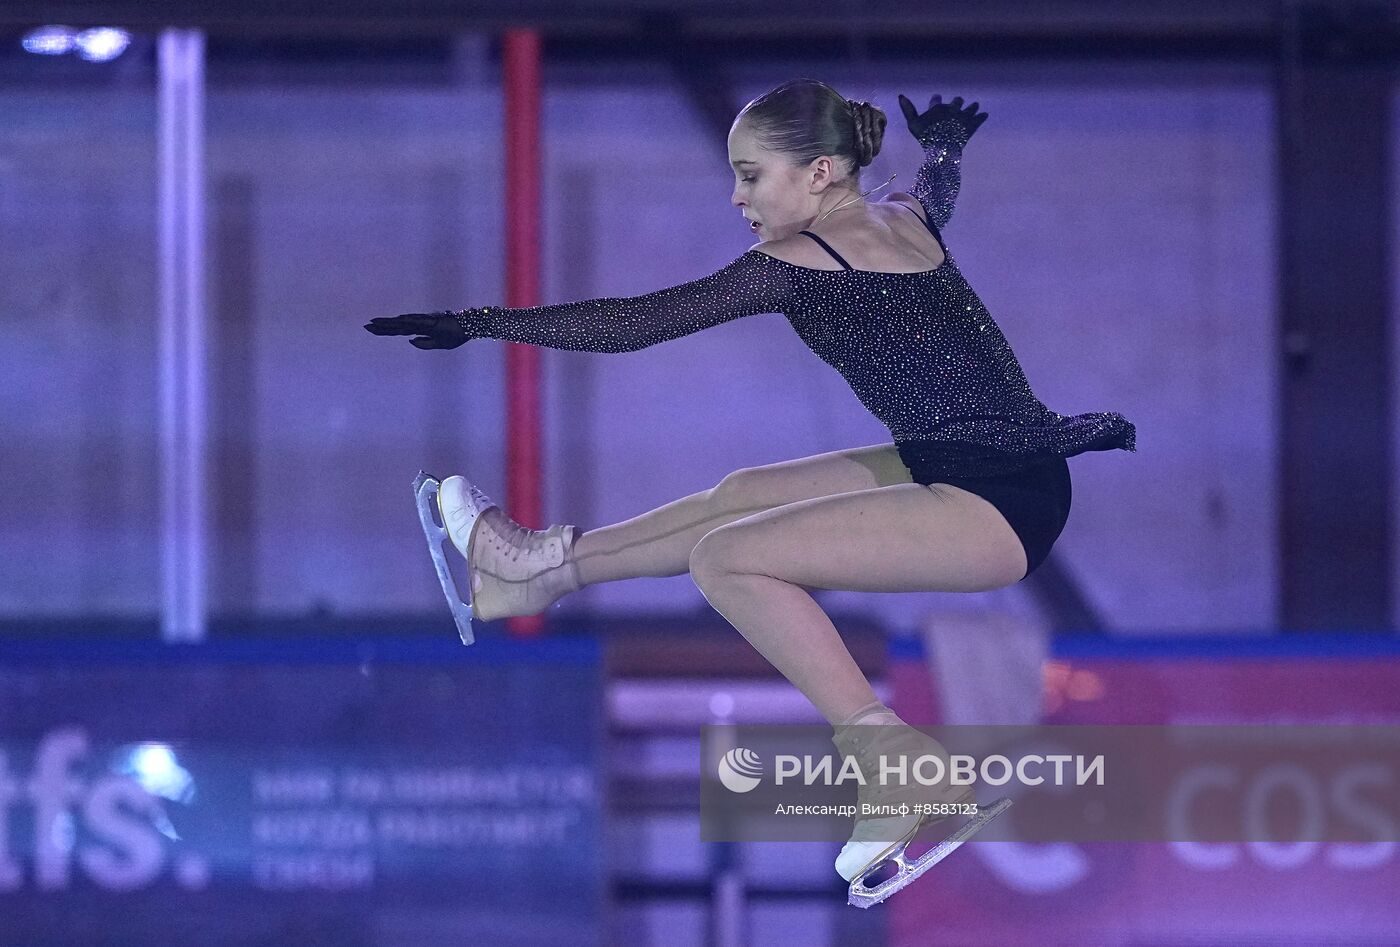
936, 183
752, 283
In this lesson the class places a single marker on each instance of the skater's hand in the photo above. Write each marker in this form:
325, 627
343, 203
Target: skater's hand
967, 120
440, 330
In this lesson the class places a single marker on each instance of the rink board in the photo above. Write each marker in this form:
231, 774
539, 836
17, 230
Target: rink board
1108, 894
325, 791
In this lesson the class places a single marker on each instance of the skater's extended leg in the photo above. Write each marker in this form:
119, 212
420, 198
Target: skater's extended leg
659, 543
519, 571
756, 571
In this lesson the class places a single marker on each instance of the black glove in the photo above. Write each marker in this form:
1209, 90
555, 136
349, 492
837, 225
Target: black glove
441, 330
968, 120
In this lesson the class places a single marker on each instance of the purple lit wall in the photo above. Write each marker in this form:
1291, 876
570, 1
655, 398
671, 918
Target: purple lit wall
1117, 221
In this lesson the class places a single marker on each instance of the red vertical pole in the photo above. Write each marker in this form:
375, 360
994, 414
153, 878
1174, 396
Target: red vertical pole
520, 63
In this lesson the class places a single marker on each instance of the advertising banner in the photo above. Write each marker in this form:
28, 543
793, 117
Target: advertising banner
1293, 884
299, 793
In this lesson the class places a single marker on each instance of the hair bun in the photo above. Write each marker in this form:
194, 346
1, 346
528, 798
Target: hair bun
868, 122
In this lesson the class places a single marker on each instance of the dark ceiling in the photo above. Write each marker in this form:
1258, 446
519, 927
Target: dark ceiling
1247, 22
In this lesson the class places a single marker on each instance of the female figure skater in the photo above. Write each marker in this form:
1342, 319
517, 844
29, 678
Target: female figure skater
970, 495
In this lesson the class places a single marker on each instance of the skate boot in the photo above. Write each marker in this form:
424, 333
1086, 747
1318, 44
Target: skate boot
880, 839
511, 570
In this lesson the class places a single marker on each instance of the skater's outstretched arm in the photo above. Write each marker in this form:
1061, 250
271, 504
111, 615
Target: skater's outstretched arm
753, 283
943, 132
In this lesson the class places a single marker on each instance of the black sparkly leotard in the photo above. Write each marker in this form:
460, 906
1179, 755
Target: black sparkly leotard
919, 349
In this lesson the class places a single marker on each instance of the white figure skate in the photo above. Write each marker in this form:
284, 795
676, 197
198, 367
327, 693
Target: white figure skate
425, 493
510, 571
879, 841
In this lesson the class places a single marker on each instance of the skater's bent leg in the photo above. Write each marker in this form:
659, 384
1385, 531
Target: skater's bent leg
659, 543
756, 572
784, 624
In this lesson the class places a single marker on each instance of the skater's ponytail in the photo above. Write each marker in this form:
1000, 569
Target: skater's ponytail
806, 118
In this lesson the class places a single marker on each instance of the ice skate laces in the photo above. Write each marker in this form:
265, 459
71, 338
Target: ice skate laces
514, 540
896, 742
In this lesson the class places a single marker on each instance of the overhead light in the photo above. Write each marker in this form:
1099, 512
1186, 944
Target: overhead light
98, 44
102, 43
50, 40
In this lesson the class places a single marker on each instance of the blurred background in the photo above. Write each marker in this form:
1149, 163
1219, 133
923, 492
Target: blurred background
233, 706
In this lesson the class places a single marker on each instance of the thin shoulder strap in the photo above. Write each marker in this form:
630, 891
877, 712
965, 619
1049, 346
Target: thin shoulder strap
927, 223
828, 249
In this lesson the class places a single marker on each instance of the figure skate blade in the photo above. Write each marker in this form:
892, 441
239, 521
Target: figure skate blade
425, 489
863, 897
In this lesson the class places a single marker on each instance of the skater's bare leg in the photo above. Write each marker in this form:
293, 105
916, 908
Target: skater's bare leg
756, 572
659, 543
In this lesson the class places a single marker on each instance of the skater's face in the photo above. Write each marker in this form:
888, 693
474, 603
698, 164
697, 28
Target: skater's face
769, 188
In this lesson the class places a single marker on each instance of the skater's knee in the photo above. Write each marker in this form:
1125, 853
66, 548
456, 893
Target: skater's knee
748, 490
710, 557
731, 487
701, 560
